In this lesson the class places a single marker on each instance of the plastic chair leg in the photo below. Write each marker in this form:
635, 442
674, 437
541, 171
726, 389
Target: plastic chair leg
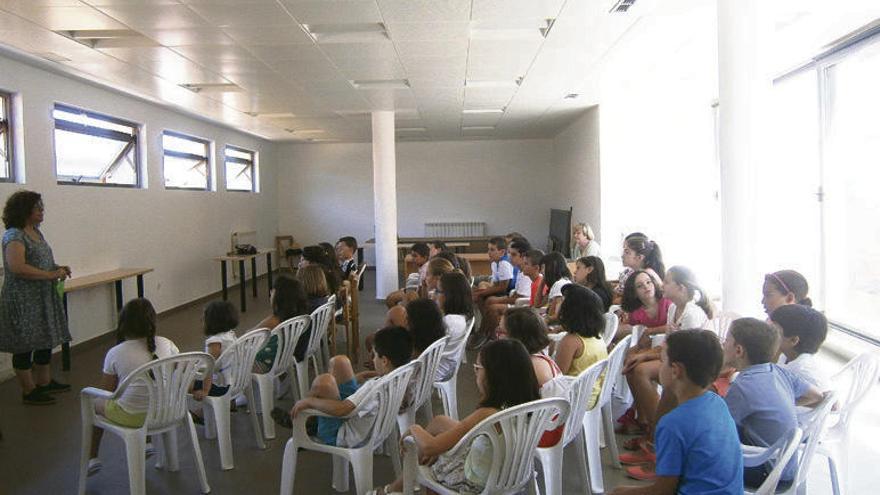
594, 455
340, 474
160, 446
302, 378
288, 468
610, 439
197, 455
362, 466
169, 450
220, 412
578, 448
551, 467
255, 421
391, 446
449, 393
266, 389
87, 414
135, 444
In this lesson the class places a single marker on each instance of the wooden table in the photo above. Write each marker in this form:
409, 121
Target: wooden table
241, 258
94, 280
480, 264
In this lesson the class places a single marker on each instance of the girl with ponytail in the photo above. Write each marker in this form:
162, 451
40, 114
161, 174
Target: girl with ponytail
641, 253
139, 345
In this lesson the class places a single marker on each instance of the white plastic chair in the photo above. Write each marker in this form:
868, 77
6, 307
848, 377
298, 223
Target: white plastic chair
721, 323
420, 389
389, 395
288, 333
609, 388
167, 381
853, 382
513, 433
234, 365
448, 389
813, 427
611, 324
781, 452
579, 393
322, 317
325, 339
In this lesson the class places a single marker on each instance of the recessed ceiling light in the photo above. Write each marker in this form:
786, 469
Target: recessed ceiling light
478, 128
347, 33
522, 31
285, 115
479, 111
472, 83
52, 56
212, 87
380, 83
305, 131
108, 38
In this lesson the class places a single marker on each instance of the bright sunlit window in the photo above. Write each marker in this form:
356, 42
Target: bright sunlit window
95, 149
240, 169
5, 139
186, 162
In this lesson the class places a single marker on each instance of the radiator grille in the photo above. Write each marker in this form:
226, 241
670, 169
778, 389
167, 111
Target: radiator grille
455, 229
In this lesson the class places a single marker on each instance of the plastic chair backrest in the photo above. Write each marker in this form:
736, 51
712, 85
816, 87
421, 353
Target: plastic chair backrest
458, 346
862, 371
288, 333
781, 452
360, 271
423, 380
237, 361
615, 366
721, 323
580, 393
814, 428
390, 391
611, 324
321, 319
167, 382
514, 434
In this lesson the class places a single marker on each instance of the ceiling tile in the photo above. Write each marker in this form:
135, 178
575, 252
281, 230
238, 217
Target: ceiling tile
280, 53
63, 18
480, 119
370, 69
334, 11
212, 54
431, 71
319, 70
249, 15
288, 34
188, 36
425, 10
434, 48
427, 31
106, 3
155, 17
379, 50
492, 10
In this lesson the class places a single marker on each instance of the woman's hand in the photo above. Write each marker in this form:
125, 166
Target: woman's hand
59, 274
66, 270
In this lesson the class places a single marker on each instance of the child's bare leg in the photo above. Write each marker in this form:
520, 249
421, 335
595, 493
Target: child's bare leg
324, 387
97, 433
341, 369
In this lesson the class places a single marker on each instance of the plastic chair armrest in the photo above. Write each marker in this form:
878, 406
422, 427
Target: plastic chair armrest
756, 456
97, 393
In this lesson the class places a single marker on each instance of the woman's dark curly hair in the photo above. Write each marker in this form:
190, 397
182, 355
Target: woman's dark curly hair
19, 207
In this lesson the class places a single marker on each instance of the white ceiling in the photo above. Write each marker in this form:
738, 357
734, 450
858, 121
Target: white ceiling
262, 47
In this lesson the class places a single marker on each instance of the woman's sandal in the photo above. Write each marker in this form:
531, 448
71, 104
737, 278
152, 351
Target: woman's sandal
383, 490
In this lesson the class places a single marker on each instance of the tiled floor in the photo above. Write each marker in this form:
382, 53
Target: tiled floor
40, 452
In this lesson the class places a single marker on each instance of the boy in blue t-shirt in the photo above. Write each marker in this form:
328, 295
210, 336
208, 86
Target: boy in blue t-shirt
697, 446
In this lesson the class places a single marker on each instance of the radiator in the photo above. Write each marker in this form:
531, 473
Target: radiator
455, 229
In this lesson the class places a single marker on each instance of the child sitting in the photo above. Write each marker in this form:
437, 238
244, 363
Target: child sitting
288, 299
531, 268
698, 448
140, 345
590, 272
782, 288
420, 254
762, 399
314, 283
221, 319
505, 378
582, 317
497, 305
455, 300
803, 332
345, 249
339, 392
501, 282
556, 276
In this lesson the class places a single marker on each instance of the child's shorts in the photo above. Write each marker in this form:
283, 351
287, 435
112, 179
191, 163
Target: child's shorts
216, 391
115, 413
329, 427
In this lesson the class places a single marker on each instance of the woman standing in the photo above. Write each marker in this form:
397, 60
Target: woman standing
32, 319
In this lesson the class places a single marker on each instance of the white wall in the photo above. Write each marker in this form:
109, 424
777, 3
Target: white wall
93, 229
576, 153
510, 185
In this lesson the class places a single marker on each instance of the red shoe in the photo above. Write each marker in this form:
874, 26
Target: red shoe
640, 457
645, 472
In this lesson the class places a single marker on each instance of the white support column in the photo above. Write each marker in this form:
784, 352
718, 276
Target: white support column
741, 90
385, 202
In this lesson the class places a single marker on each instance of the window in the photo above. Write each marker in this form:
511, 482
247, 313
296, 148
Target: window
186, 162
240, 168
831, 140
5, 138
95, 149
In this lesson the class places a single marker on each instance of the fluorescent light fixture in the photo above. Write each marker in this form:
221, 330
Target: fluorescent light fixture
478, 128
621, 6
482, 111
108, 38
52, 57
412, 129
305, 131
347, 33
285, 115
476, 83
380, 83
211, 87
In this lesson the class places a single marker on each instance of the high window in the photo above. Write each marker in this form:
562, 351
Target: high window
240, 169
186, 161
5, 138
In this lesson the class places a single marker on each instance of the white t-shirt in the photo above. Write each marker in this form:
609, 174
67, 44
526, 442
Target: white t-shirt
556, 289
456, 326
523, 286
693, 316
805, 366
501, 270
127, 356
225, 339
354, 430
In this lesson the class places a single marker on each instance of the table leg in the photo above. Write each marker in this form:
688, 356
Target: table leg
140, 283
223, 277
254, 274
360, 255
65, 347
118, 296
242, 286
269, 270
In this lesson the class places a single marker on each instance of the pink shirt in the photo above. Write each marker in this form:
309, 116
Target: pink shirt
640, 316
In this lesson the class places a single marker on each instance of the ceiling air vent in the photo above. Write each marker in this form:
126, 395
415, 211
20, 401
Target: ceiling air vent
108, 38
621, 6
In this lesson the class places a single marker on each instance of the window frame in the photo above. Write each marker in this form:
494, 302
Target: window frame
177, 154
820, 65
6, 130
134, 140
252, 162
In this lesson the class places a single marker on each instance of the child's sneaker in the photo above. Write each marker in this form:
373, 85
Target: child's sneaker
37, 398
